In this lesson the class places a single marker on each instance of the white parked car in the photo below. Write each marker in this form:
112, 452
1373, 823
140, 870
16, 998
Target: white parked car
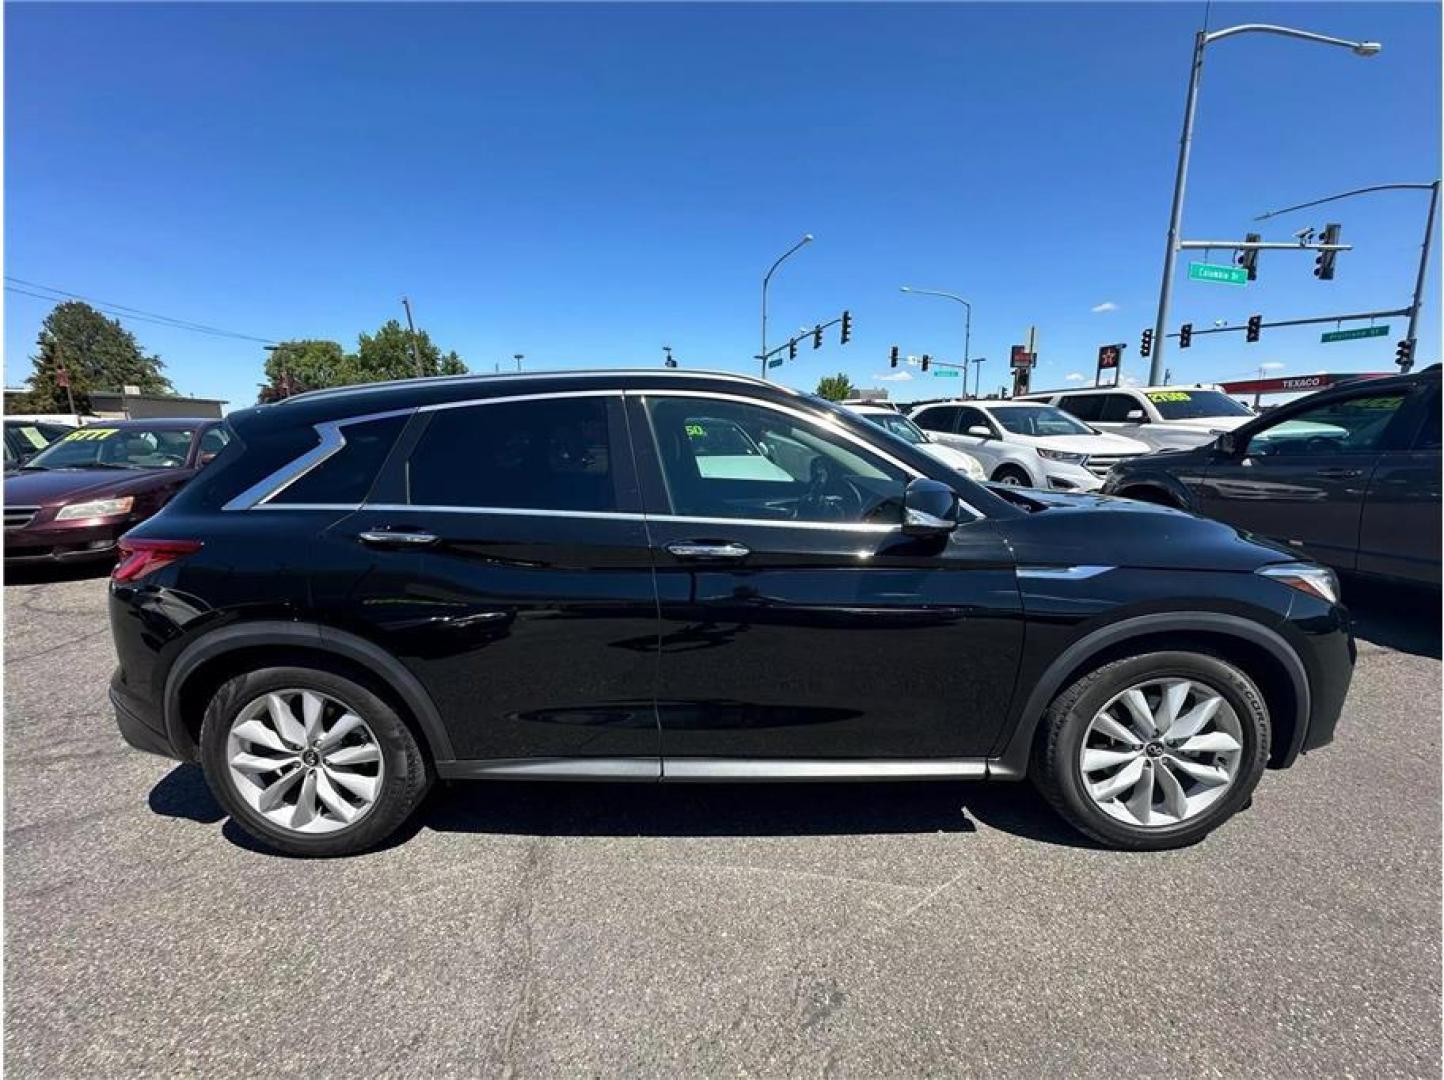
1028, 443
1164, 417
889, 419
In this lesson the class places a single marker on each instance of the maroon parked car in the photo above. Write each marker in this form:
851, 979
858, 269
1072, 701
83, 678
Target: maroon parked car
73, 500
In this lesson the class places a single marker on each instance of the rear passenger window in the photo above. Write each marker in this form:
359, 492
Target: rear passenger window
942, 419
347, 475
1083, 406
548, 454
1116, 408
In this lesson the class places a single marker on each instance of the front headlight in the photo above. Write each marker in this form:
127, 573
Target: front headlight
1063, 455
96, 508
1309, 578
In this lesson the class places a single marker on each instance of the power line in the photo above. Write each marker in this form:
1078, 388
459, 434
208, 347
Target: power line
121, 309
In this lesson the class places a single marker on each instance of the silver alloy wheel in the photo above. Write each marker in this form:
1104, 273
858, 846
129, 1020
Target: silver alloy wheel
1161, 752
1010, 479
304, 761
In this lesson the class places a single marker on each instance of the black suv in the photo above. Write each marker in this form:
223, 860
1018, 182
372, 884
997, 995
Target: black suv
690, 577
1349, 476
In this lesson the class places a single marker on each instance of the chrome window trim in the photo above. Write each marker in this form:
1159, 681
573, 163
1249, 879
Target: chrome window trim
1063, 573
259, 495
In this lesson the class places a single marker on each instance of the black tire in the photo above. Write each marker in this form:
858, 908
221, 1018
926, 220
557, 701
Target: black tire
1057, 772
405, 777
1012, 474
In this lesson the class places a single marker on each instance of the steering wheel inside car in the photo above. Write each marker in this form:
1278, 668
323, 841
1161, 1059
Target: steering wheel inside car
829, 496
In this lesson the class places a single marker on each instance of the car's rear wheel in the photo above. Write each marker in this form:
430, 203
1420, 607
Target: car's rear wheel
1012, 476
309, 762
1153, 751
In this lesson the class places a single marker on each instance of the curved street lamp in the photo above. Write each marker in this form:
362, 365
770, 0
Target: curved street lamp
766, 278
1200, 41
967, 327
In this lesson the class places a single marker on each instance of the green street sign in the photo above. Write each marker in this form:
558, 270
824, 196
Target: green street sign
775, 363
1355, 334
1226, 275
946, 373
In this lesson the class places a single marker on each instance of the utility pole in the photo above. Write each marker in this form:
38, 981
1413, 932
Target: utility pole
518, 357
62, 376
415, 353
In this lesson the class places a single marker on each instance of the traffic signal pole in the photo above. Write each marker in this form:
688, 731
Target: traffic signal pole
1304, 322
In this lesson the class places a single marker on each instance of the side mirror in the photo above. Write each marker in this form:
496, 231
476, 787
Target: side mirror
1227, 444
930, 508
207, 457
1136, 414
980, 430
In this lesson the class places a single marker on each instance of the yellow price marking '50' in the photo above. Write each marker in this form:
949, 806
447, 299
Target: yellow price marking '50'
91, 433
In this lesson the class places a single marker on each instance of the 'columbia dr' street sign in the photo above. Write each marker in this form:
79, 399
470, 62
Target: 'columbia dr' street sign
1356, 333
946, 373
1227, 275
775, 363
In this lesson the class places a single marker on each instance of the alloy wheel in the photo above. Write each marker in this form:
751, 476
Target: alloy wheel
304, 760
1161, 752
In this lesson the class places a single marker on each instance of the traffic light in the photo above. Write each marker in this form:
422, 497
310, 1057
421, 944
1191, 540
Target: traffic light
892, 357
926, 361
1404, 354
1185, 335
792, 349
1324, 264
1255, 324
1248, 258
1145, 347
846, 327
817, 337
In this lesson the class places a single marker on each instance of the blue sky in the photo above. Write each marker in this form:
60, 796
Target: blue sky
584, 184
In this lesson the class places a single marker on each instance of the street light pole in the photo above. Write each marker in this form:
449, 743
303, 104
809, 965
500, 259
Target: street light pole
1423, 269
766, 278
967, 328
415, 353
1185, 143
518, 357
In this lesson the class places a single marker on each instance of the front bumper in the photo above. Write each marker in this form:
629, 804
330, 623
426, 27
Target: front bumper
1063, 476
63, 542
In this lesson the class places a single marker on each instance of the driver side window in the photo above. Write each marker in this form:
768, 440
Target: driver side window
1353, 425
727, 459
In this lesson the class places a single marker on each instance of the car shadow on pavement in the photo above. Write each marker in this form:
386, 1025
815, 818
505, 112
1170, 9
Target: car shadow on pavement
538, 808
1396, 616
40, 573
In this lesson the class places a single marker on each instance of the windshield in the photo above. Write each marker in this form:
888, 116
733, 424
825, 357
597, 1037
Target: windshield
1039, 421
114, 447
1195, 404
898, 425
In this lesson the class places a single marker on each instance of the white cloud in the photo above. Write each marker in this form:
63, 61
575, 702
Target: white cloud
1273, 366
1107, 305
1074, 376
896, 376
1131, 380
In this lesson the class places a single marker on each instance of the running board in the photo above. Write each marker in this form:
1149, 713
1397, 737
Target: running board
703, 770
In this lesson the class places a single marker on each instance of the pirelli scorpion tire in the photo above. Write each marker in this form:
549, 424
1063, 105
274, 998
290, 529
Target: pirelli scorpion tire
1153, 751
309, 762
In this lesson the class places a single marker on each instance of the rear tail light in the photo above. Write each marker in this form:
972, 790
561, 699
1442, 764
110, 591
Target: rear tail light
140, 557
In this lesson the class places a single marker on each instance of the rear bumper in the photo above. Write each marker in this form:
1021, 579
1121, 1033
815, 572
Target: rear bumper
134, 727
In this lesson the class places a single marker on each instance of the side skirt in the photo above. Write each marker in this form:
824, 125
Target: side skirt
705, 770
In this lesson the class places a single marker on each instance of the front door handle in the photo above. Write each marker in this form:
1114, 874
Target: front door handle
1340, 473
695, 549
397, 538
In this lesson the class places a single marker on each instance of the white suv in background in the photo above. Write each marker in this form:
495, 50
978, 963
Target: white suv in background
1164, 417
889, 419
1028, 443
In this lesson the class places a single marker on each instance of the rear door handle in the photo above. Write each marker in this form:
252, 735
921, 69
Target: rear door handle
397, 538
1340, 473
694, 549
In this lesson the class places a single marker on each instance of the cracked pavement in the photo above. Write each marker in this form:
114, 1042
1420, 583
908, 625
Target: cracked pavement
811, 930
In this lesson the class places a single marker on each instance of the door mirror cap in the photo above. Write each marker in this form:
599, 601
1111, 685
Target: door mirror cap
930, 508
980, 431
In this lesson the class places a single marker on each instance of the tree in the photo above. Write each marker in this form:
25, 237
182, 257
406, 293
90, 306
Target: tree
97, 353
835, 387
386, 354
294, 366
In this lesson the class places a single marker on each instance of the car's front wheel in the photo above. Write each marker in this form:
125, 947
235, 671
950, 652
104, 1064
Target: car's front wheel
1153, 751
1013, 476
309, 762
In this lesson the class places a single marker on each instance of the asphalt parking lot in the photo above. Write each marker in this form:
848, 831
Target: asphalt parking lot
806, 930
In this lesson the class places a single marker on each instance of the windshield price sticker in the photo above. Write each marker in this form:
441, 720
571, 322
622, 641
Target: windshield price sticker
696, 431
1169, 395
91, 434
